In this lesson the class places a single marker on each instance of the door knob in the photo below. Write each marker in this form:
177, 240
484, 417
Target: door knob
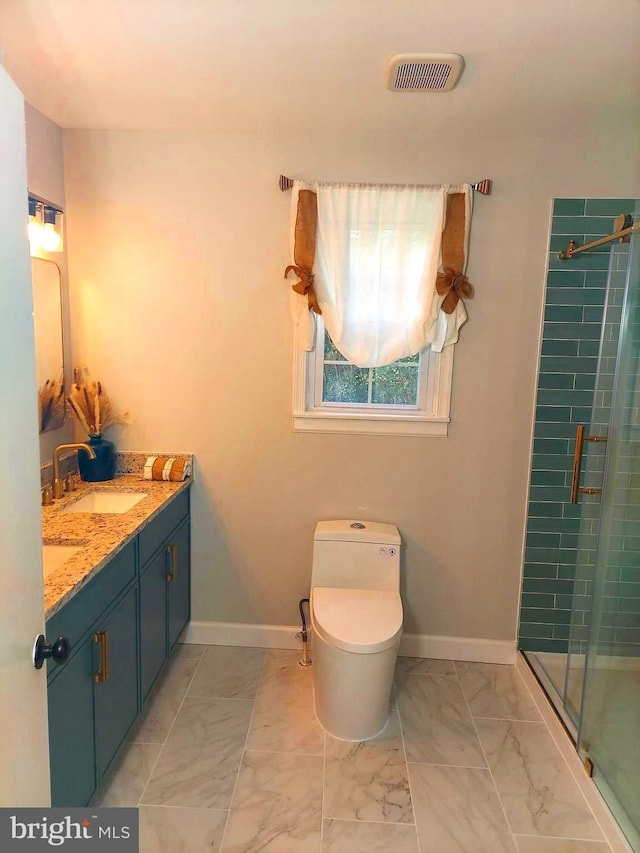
58, 650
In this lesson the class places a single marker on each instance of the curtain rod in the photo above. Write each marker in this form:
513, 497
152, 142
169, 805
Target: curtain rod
483, 187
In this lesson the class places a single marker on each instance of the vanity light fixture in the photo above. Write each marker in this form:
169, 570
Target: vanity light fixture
45, 226
36, 210
51, 241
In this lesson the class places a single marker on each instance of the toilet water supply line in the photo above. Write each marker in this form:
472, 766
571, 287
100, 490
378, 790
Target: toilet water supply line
302, 635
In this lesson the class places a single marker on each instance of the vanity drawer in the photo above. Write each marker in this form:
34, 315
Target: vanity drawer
155, 533
76, 617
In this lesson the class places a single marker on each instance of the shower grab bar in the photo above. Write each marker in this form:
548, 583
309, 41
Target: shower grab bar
576, 488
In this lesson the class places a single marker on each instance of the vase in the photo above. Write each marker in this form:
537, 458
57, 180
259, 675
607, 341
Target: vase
103, 467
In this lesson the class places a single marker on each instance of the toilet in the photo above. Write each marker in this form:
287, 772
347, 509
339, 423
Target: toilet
356, 620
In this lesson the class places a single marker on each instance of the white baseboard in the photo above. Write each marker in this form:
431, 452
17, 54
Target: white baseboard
413, 645
242, 634
458, 648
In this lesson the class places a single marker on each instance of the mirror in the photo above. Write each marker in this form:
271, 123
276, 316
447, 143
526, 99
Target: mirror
47, 316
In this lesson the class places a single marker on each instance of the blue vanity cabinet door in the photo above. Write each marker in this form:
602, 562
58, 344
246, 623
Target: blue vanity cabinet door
153, 620
71, 742
116, 698
179, 589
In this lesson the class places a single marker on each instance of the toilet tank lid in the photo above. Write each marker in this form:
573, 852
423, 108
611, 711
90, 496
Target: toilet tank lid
352, 530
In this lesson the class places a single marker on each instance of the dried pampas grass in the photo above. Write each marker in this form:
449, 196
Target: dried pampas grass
51, 402
91, 405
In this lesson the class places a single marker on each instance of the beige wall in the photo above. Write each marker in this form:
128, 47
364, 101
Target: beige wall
45, 174
177, 248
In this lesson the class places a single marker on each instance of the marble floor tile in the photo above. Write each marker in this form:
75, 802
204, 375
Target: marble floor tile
532, 844
436, 723
188, 650
368, 780
128, 776
165, 700
277, 805
424, 666
282, 670
496, 690
284, 719
458, 811
181, 830
538, 792
199, 762
228, 672
356, 836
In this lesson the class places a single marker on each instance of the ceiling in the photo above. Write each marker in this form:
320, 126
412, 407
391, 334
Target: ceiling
533, 67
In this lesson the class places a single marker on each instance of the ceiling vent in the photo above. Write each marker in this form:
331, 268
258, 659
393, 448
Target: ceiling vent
424, 72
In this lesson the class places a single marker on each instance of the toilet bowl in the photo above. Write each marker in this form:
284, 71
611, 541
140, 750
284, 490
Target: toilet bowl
356, 621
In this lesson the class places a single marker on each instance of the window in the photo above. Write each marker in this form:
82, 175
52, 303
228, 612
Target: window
408, 397
342, 384
379, 359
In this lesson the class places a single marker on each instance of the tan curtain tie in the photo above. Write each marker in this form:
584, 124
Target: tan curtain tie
304, 250
305, 286
456, 286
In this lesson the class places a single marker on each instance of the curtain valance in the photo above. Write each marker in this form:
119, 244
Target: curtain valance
384, 265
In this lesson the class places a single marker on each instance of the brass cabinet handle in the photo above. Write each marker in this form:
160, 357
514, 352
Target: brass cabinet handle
102, 674
172, 551
576, 489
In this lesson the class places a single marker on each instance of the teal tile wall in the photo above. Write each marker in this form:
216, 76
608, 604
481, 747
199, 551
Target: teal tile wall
575, 298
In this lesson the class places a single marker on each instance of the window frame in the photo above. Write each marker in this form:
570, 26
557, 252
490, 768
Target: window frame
429, 417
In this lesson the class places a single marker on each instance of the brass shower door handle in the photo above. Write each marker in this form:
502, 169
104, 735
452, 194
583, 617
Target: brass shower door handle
576, 488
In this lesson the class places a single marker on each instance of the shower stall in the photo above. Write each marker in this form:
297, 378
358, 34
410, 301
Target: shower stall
580, 615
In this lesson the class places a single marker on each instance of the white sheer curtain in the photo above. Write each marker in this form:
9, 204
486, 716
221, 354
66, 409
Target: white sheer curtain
377, 257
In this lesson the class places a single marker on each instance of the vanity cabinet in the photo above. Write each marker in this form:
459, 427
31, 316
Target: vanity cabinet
122, 626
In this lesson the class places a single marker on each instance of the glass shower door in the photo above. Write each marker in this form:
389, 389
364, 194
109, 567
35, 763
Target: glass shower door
610, 719
590, 459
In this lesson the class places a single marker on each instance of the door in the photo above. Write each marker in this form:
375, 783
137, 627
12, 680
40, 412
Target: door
610, 719
73, 763
24, 749
116, 687
153, 620
179, 587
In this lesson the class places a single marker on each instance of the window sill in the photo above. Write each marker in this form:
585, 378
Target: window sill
369, 424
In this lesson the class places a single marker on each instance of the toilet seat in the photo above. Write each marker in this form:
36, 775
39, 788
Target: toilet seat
364, 621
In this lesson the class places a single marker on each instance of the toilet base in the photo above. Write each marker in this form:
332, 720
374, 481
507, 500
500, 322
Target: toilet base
352, 691
350, 739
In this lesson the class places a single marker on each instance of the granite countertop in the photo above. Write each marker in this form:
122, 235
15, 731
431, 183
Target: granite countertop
99, 535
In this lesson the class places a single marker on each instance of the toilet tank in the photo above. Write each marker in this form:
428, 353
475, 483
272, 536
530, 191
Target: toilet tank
353, 554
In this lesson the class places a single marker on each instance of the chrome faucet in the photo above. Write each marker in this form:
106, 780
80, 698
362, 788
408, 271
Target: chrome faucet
58, 489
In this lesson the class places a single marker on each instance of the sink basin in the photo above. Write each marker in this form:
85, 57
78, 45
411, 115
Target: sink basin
54, 556
107, 502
